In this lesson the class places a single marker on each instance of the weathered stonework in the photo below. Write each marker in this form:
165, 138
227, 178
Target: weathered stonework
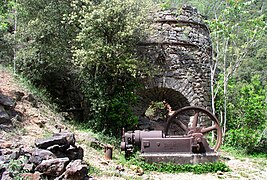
180, 47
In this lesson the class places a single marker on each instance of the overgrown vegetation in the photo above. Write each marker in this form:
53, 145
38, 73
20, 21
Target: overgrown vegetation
247, 111
177, 168
84, 54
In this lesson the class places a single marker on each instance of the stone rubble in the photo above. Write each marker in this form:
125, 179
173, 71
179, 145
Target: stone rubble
41, 163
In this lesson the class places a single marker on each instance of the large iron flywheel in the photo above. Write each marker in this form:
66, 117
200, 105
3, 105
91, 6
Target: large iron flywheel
195, 121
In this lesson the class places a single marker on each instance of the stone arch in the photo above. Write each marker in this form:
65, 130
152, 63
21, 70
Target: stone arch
160, 94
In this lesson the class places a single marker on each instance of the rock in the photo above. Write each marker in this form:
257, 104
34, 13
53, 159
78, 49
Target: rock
57, 148
75, 170
53, 167
28, 167
39, 155
140, 171
4, 159
5, 144
2, 170
69, 137
74, 153
96, 144
17, 118
31, 99
15, 154
120, 168
137, 169
7, 101
58, 139
32, 176
105, 162
18, 95
133, 167
6, 175
4, 117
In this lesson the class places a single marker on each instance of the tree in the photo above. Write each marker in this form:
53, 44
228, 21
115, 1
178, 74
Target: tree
234, 31
105, 54
45, 41
247, 112
7, 30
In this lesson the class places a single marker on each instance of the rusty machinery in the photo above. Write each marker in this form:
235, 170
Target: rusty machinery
185, 139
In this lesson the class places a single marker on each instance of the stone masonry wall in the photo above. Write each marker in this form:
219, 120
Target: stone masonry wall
180, 47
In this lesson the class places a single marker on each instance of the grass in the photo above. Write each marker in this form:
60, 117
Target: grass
17, 131
100, 136
241, 153
175, 168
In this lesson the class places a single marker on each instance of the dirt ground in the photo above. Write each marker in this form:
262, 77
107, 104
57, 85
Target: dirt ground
40, 121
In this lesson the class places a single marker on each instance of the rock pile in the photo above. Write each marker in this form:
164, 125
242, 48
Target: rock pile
53, 158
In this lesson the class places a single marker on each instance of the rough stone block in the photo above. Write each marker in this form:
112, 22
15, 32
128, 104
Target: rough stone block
39, 155
53, 167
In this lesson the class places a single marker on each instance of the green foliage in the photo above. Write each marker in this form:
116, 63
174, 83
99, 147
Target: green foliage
44, 54
103, 138
94, 171
247, 112
177, 168
104, 53
15, 167
45, 41
156, 110
7, 14
6, 8
240, 25
201, 5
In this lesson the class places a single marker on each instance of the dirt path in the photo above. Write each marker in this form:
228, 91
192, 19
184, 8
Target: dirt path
242, 168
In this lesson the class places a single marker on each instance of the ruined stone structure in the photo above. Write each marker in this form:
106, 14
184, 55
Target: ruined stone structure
180, 47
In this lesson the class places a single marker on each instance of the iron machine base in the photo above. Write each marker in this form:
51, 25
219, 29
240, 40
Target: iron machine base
190, 147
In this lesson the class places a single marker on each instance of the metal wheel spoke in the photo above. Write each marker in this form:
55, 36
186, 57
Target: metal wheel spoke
195, 119
187, 111
181, 125
208, 129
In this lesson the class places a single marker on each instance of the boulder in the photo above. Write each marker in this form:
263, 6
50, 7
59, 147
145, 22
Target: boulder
61, 139
39, 155
69, 137
58, 148
32, 176
4, 117
53, 167
74, 153
75, 170
7, 101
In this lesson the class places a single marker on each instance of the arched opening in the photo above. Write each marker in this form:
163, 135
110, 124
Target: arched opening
157, 105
